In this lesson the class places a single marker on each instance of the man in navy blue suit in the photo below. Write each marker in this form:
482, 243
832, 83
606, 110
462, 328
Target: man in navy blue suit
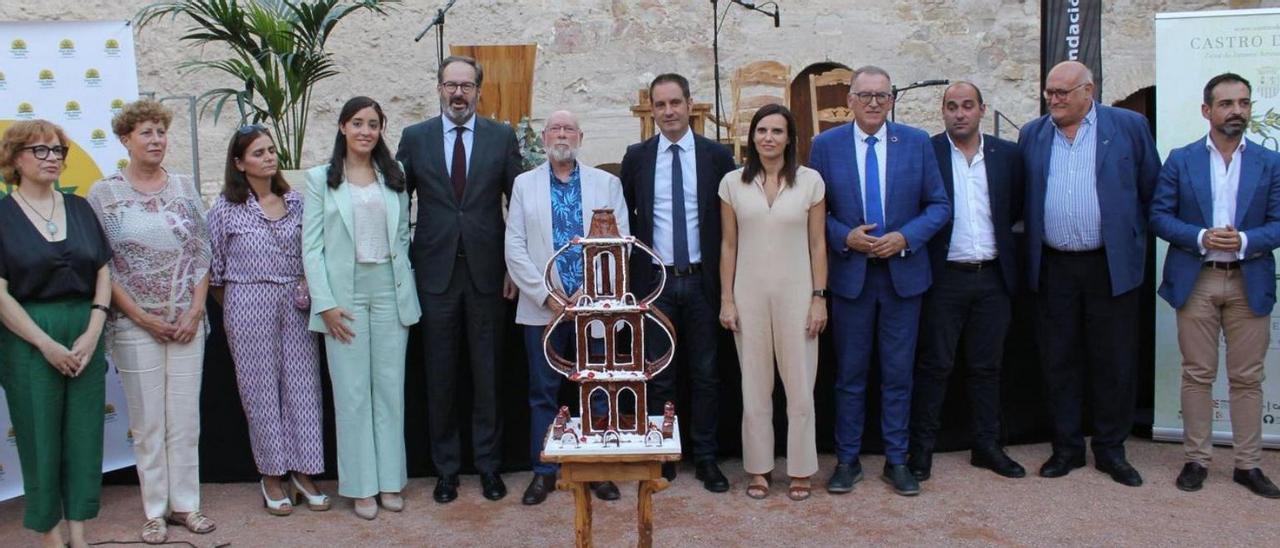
975, 274
1090, 170
1218, 205
885, 199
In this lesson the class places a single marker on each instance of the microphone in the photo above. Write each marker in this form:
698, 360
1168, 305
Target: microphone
931, 83
749, 4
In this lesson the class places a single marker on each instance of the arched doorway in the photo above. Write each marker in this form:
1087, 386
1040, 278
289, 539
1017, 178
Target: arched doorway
802, 105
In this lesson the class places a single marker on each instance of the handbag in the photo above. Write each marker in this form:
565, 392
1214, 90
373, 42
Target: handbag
301, 293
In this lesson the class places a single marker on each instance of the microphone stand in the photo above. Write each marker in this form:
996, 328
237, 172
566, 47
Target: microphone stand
717, 21
897, 91
438, 23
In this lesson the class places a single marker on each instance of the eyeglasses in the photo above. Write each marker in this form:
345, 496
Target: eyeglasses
1061, 94
251, 128
865, 97
42, 152
562, 129
466, 87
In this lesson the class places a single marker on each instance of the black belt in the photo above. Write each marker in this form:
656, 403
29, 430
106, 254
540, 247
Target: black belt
676, 272
970, 267
1221, 265
1087, 252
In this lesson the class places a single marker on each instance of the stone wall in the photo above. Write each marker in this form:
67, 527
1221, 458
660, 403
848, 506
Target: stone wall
593, 55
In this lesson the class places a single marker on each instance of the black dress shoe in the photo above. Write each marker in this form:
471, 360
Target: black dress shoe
493, 487
541, 486
1120, 471
1060, 465
1257, 482
995, 460
709, 474
900, 478
921, 465
844, 477
669, 471
1192, 477
605, 490
446, 489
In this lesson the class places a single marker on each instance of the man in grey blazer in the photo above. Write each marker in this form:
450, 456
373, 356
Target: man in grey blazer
460, 166
550, 205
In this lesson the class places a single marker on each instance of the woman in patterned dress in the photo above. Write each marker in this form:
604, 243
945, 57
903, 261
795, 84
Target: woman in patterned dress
356, 241
154, 220
255, 227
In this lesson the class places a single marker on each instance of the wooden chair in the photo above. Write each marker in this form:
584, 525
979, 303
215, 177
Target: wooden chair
834, 114
755, 85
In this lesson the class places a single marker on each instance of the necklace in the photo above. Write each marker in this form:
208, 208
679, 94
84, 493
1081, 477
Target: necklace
49, 226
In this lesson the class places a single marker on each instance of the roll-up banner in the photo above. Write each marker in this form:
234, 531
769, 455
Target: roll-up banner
1191, 48
78, 75
1071, 30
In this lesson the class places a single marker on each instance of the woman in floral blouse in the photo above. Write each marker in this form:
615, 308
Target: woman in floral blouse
155, 223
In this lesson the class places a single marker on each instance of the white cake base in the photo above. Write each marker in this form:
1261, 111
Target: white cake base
631, 444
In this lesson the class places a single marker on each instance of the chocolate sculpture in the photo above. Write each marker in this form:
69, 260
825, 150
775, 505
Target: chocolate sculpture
614, 368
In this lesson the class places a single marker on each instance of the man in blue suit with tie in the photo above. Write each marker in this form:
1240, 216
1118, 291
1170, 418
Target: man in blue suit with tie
1090, 172
885, 199
1218, 205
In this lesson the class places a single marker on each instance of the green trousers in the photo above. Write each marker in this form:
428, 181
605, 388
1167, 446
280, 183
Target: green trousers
57, 419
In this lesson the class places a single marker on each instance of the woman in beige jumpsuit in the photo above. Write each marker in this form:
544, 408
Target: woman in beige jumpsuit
773, 269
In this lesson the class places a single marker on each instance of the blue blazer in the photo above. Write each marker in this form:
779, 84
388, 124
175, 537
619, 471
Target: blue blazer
1183, 206
1128, 166
915, 205
1005, 188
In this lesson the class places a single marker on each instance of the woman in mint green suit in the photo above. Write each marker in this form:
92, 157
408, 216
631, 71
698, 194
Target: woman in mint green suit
355, 239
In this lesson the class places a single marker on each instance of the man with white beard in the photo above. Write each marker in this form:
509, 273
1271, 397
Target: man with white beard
560, 194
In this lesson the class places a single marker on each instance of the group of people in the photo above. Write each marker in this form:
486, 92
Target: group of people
907, 241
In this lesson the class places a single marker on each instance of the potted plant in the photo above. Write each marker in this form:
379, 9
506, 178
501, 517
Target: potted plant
277, 50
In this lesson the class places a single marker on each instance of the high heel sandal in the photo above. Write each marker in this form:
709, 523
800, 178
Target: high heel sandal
275, 507
799, 492
316, 503
757, 491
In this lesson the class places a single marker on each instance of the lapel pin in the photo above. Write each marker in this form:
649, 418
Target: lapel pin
893, 138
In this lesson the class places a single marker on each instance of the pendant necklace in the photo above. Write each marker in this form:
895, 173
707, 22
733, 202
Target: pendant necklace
49, 226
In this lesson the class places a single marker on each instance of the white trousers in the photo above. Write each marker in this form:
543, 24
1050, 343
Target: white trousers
162, 384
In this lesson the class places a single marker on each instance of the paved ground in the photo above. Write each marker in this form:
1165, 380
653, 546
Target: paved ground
962, 505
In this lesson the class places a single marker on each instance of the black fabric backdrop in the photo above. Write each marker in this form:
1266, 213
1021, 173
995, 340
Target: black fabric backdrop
225, 455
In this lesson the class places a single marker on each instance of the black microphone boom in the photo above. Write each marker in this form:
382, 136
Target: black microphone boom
775, 17
924, 83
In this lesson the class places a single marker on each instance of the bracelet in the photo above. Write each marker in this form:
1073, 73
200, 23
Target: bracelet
103, 308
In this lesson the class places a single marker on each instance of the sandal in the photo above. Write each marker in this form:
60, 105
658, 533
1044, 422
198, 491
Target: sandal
154, 531
755, 489
799, 492
195, 522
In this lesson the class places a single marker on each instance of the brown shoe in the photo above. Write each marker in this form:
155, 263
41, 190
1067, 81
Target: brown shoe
799, 492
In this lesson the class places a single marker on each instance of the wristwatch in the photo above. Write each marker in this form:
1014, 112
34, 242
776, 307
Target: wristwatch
824, 293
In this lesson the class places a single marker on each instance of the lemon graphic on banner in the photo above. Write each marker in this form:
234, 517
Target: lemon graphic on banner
78, 175
46, 74
66, 43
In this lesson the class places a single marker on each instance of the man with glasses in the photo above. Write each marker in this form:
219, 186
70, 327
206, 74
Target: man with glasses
460, 166
1218, 205
885, 200
670, 182
1090, 171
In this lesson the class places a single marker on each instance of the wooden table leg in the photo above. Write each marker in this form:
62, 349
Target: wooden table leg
582, 514
644, 509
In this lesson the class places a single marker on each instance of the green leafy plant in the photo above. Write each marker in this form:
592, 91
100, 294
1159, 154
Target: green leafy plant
531, 150
277, 53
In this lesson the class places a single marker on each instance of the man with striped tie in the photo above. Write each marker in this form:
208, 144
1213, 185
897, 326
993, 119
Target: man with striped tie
1090, 171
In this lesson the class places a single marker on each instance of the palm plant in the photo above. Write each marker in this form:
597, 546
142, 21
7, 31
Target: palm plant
277, 51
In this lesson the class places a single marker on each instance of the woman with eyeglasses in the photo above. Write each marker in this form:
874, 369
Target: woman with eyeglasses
773, 271
154, 220
356, 247
255, 227
54, 292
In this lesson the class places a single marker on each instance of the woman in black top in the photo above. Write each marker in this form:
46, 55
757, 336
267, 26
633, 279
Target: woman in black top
54, 288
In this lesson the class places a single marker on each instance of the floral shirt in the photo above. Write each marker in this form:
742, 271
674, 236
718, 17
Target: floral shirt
159, 240
566, 223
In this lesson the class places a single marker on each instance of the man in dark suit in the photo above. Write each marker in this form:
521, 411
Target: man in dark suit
460, 166
1218, 205
975, 275
1090, 172
670, 183
885, 200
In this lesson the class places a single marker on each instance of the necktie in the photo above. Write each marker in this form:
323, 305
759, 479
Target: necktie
458, 176
680, 231
874, 209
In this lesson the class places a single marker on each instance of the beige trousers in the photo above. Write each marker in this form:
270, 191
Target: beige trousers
1218, 305
162, 383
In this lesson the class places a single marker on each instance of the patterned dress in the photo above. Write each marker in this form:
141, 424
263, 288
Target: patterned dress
259, 262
